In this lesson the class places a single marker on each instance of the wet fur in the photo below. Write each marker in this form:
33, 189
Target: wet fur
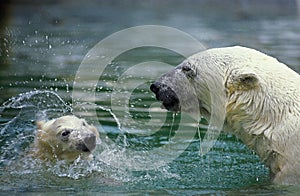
65, 138
260, 98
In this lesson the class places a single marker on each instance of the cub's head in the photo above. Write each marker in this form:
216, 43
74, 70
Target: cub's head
65, 138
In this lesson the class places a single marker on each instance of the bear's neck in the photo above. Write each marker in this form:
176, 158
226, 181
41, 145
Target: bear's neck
259, 127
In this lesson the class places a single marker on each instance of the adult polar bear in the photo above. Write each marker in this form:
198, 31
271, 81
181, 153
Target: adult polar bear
261, 102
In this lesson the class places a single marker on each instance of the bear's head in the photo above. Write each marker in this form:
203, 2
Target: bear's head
189, 87
65, 138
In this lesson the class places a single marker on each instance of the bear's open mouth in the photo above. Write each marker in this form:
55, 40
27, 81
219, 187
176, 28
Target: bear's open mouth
165, 94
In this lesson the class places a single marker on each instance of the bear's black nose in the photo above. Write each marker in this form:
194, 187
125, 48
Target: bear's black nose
155, 87
165, 94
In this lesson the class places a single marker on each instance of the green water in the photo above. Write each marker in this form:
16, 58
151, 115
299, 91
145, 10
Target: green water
45, 45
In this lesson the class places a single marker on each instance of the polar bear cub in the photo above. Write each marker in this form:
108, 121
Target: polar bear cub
65, 138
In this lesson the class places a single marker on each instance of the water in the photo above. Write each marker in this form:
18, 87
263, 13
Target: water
46, 44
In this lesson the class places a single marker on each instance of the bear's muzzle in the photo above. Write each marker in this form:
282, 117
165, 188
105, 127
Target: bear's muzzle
87, 144
165, 94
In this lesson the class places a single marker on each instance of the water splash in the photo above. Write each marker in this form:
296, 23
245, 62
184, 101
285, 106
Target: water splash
112, 114
17, 130
122, 137
44, 103
18, 115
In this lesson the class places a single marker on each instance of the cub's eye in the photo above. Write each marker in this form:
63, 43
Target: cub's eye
66, 133
84, 123
186, 68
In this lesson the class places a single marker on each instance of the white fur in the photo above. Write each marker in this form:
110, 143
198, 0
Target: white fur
261, 101
49, 145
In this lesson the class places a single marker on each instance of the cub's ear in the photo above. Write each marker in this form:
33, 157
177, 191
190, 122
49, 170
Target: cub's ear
39, 124
242, 81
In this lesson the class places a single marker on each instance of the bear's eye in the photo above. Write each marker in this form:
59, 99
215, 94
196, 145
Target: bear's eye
188, 71
66, 133
186, 68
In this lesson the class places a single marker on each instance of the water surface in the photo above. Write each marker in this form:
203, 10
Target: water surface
45, 44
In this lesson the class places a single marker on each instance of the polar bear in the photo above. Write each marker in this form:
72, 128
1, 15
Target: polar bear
65, 138
259, 96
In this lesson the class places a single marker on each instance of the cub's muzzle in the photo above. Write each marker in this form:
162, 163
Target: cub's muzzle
87, 144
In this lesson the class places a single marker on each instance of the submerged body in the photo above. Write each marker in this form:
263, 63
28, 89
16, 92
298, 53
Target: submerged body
258, 95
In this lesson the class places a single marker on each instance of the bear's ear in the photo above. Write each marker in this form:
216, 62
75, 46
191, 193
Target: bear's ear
242, 82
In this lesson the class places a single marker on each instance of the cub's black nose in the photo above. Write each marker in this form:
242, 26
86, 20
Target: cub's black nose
87, 144
155, 87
